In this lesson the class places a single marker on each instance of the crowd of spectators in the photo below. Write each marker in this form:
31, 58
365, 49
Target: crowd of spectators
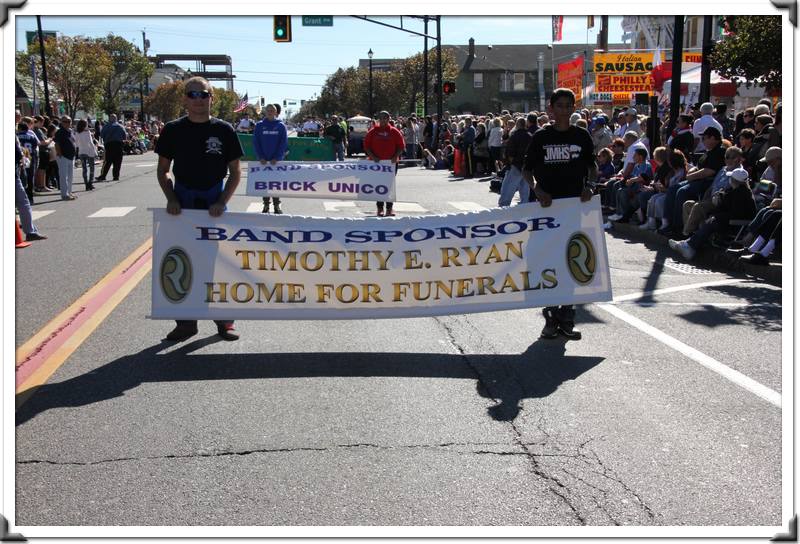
51, 147
715, 179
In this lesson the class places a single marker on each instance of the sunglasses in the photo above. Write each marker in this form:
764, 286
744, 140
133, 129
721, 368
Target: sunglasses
198, 94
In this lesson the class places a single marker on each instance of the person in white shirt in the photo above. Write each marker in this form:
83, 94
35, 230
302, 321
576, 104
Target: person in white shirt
619, 132
496, 145
87, 152
700, 125
245, 124
310, 128
632, 121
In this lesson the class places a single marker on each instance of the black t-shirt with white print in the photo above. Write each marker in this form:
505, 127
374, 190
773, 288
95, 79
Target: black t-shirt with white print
200, 152
560, 160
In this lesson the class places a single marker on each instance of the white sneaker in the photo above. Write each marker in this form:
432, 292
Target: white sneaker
615, 217
683, 248
608, 225
649, 225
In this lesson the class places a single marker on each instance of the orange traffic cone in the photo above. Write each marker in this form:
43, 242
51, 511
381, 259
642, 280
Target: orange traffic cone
20, 239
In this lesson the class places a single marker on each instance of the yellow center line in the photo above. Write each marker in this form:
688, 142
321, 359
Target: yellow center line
50, 331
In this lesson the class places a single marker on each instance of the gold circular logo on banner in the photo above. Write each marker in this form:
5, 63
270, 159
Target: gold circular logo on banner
581, 258
175, 275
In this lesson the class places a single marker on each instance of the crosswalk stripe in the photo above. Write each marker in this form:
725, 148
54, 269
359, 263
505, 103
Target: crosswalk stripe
407, 207
38, 214
336, 205
121, 211
468, 206
145, 165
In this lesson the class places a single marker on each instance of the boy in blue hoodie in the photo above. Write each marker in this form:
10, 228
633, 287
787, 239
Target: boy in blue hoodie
271, 144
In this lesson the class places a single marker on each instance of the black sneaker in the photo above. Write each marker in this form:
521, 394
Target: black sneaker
277, 209
181, 333
568, 329
265, 209
35, 236
550, 329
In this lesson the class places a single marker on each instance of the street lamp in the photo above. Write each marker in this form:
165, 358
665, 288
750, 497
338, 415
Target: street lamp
552, 48
369, 54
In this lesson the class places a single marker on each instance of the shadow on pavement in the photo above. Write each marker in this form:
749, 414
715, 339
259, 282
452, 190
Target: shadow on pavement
506, 378
763, 314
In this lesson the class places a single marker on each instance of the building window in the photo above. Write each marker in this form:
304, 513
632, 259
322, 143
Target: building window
505, 81
519, 81
477, 80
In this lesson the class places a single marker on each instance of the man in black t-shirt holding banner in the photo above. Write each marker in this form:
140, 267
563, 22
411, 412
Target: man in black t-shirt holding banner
201, 150
559, 164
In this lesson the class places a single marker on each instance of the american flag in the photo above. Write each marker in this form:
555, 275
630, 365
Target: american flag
242, 104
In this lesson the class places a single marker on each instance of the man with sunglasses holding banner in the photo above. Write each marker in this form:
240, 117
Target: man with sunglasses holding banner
201, 149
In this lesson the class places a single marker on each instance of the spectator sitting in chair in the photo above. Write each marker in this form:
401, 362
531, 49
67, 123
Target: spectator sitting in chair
627, 190
697, 181
734, 202
696, 212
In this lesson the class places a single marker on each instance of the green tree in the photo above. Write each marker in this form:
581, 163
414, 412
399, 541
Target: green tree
397, 90
752, 50
412, 72
131, 69
223, 104
166, 101
77, 68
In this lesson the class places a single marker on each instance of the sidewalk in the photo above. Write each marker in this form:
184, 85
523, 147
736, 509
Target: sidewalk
708, 257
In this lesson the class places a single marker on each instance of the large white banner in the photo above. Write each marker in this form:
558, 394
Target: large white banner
259, 266
361, 180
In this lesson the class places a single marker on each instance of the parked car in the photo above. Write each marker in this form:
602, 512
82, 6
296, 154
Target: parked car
358, 127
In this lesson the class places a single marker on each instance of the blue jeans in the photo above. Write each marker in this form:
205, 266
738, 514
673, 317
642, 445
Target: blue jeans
23, 206
87, 162
65, 172
626, 199
643, 198
685, 190
338, 151
513, 182
192, 199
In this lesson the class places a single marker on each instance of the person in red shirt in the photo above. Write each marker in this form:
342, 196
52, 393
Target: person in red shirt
384, 142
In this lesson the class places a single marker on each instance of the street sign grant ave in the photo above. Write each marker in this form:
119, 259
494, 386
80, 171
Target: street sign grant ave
317, 20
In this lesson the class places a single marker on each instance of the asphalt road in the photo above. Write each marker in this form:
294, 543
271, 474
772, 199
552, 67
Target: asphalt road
457, 420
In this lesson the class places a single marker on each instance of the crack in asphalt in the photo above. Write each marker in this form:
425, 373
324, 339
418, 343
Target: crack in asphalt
557, 488
198, 455
583, 452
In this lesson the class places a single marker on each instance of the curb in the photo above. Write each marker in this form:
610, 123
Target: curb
708, 257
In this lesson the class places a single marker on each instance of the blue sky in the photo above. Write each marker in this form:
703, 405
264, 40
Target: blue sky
299, 69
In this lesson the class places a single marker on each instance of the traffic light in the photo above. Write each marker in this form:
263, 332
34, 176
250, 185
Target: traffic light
282, 28
449, 87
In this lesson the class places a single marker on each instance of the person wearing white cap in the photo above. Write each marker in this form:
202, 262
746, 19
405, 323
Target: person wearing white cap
696, 212
706, 120
632, 122
735, 202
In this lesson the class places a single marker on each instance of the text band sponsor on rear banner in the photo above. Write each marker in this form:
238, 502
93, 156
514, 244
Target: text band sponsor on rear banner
360, 180
254, 266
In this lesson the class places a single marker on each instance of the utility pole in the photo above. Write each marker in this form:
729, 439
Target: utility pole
677, 60
604, 33
705, 67
425, 70
47, 108
143, 83
439, 109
